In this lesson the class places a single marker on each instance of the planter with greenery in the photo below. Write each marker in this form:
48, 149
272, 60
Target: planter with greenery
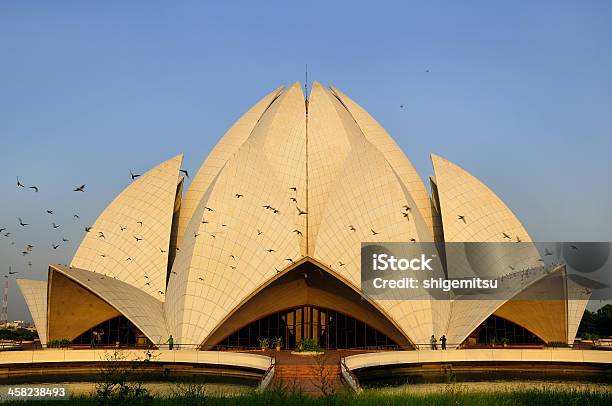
63, 343
264, 343
278, 343
308, 346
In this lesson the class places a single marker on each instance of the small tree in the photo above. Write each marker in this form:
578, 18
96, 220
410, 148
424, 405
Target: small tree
324, 379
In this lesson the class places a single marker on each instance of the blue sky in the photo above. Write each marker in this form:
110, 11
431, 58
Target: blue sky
518, 93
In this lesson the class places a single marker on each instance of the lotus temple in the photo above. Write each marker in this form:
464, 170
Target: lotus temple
266, 242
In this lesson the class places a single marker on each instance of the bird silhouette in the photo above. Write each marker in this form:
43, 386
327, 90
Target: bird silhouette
2, 229
7, 234
275, 211
506, 236
79, 189
137, 239
76, 216
50, 211
55, 246
162, 251
300, 211
289, 259
101, 235
35, 188
412, 240
298, 232
139, 222
65, 240
132, 175
19, 184
461, 217
574, 247
184, 171
293, 188
293, 199
238, 195
340, 263
352, 228
21, 223
195, 235
406, 207
259, 232
518, 239
160, 292
55, 225
128, 259
201, 279
374, 232
407, 215
122, 228
270, 250
232, 256
87, 229
208, 208
213, 236
233, 267
13, 272
204, 222
267, 206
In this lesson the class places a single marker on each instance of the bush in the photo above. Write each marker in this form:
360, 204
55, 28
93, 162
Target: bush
308, 345
63, 343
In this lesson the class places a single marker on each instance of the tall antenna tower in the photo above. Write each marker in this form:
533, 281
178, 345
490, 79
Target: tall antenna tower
4, 315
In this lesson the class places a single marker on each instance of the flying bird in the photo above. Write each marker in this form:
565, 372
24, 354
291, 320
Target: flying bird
518, 239
293, 188
87, 229
574, 247
374, 232
55, 225
2, 229
128, 259
55, 246
122, 228
270, 250
407, 215
195, 235
137, 239
461, 217
35, 188
238, 195
184, 171
13, 272
103, 255
506, 236
201, 279
289, 259
412, 240
162, 251
133, 175
79, 189
293, 199
208, 208
65, 240
233, 267
101, 235
300, 211
352, 228
139, 222
19, 184
259, 232
340, 263
406, 207
50, 211
267, 206
76, 216
298, 232
21, 223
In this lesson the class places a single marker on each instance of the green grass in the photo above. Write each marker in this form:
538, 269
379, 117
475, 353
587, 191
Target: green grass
543, 396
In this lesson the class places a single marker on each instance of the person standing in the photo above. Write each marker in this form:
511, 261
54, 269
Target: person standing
433, 342
170, 342
94, 339
100, 334
443, 341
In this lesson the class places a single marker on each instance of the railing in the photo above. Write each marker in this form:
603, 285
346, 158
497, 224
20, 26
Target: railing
349, 377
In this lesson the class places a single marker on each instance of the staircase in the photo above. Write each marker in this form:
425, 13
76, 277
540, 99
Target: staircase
307, 374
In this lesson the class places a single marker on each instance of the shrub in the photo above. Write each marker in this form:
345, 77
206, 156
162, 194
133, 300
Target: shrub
63, 343
559, 344
308, 345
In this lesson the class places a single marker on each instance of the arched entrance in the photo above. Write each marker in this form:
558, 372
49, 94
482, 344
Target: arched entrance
328, 328
308, 302
497, 330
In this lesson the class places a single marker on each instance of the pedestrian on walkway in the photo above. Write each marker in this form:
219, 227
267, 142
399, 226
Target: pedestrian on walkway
443, 341
433, 342
170, 342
